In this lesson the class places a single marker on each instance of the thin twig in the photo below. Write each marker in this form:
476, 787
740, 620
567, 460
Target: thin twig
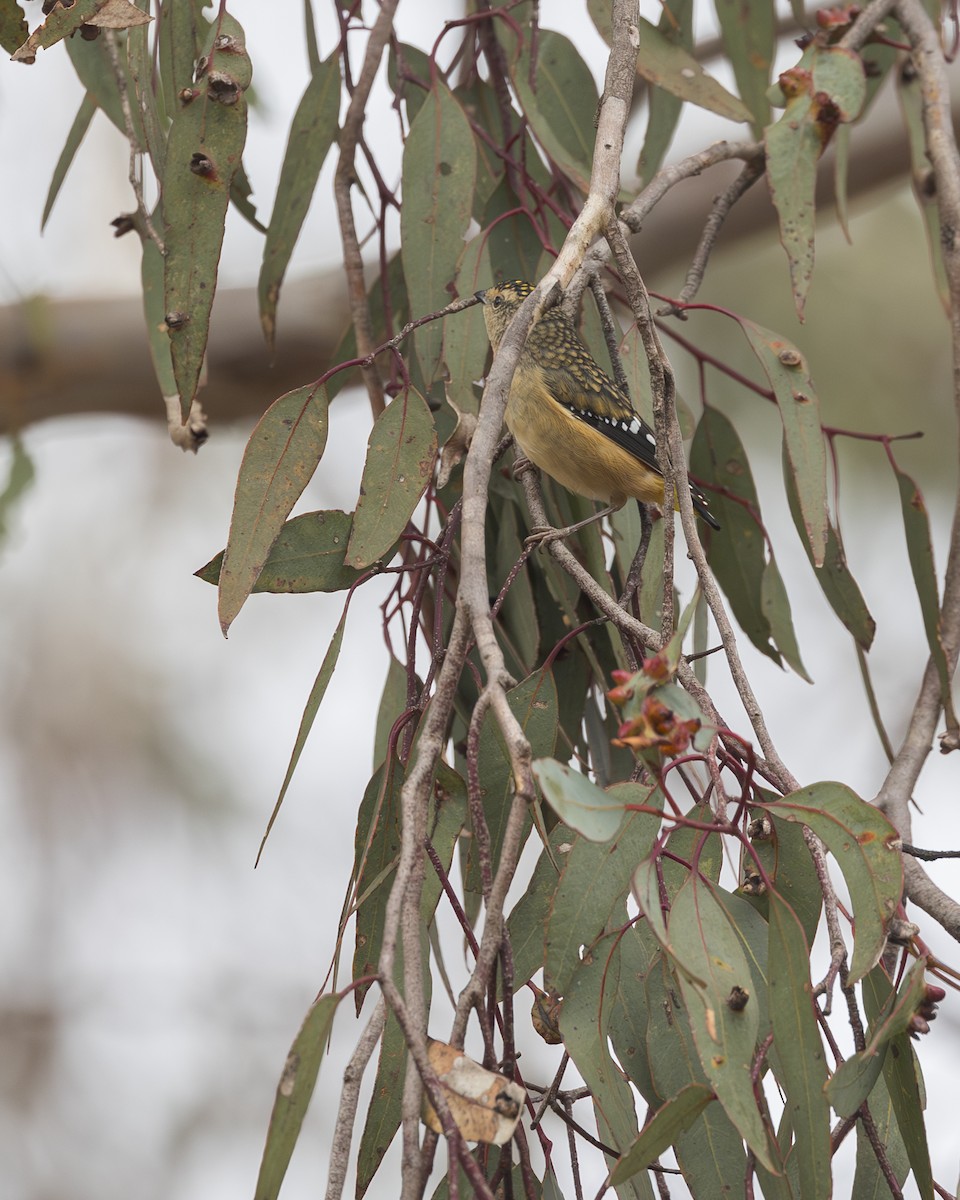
136, 182
340, 1156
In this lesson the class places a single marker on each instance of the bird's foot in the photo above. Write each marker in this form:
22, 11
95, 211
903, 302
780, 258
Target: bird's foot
522, 464
541, 535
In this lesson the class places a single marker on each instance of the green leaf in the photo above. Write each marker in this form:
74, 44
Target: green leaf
240, 193
838, 585
793, 150
140, 71
314, 700
534, 704
662, 1130
393, 702
749, 35
676, 25
151, 279
786, 368
13, 25
376, 852
916, 527
94, 69
775, 605
312, 132
293, 1095
465, 341
596, 879
863, 842
667, 65
711, 962
710, 1154
801, 1068
718, 455
593, 813
583, 1025
204, 148
178, 38
518, 614
401, 451
278, 462
439, 172
854, 1079
560, 104
527, 923
869, 1183
786, 860
924, 189
408, 74
384, 1111
306, 557
78, 131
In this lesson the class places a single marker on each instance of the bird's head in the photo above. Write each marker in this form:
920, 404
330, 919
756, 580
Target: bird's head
500, 302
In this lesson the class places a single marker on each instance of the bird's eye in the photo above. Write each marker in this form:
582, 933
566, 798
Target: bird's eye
497, 301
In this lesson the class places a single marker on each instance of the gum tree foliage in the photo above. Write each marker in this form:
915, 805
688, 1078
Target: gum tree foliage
556, 697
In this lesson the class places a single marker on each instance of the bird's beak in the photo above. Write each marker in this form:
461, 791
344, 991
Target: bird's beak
480, 296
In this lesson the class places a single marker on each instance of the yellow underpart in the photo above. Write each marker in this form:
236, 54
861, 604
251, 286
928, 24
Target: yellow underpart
572, 452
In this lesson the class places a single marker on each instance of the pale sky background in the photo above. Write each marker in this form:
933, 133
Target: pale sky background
152, 981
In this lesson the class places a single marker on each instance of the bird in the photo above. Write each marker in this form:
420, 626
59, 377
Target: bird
568, 416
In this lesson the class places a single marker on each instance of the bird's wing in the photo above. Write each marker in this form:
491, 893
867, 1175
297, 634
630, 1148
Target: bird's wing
592, 396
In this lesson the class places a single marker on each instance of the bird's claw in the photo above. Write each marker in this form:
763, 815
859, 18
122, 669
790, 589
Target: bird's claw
540, 535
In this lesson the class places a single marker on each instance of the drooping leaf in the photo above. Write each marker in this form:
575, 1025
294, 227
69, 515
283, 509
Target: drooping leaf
710, 963
583, 1024
863, 842
204, 148
749, 579
401, 451
560, 103
916, 527
749, 35
376, 851
596, 877
408, 74
676, 25
151, 281
838, 585
911, 105
801, 1069
294, 1091
786, 369
901, 1073
280, 458
306, 557
393, 701
854, 1079
94, 68
78, 131
527, 923
869, 1182
312, 132
592, 812
465, 341
663, 1129
140, 71
826, 89
312, 707
534, 704
668, 65
711, 1154
439, 171
384, 1111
